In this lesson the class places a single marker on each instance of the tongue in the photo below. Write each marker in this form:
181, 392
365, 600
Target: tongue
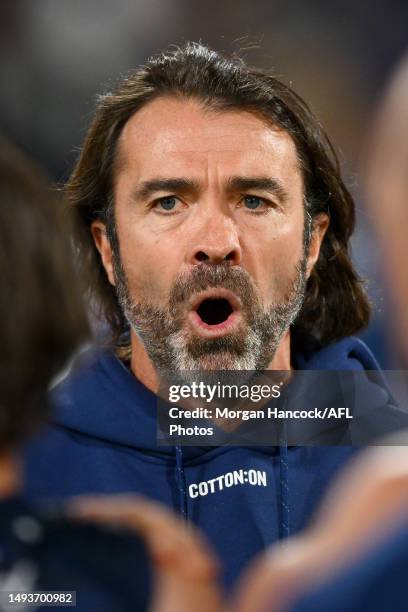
214, 311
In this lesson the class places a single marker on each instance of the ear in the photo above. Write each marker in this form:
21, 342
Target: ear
98, 229
320, 223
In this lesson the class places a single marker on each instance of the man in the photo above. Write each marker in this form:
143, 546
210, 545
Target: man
211, 210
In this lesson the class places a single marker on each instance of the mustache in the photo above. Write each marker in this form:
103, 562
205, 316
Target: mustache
206, 276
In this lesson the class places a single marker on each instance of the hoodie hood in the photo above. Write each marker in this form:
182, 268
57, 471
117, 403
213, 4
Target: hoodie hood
101, 398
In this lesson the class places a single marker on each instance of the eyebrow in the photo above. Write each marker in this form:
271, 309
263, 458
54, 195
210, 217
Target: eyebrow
262, 183
147, 188
235, 183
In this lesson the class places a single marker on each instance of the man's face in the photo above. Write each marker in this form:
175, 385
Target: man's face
209, 217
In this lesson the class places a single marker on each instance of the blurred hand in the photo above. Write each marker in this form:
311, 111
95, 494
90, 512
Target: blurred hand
365, 504
185, 570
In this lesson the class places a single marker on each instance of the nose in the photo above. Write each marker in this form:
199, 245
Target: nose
216, 241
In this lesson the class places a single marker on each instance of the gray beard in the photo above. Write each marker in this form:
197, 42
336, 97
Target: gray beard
174, 352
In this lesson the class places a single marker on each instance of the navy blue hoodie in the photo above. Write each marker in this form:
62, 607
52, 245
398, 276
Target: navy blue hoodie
103, 439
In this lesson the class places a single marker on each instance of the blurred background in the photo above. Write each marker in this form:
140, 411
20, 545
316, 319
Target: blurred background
57, 55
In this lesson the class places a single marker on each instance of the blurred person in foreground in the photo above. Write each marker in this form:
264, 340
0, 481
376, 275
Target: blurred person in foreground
42, 324
210, 209
355, 555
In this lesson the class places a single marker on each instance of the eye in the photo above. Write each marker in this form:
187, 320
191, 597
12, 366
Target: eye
167, 204
256, 204
253, 202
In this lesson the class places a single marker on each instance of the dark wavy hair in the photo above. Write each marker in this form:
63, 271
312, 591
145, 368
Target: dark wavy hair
335, 304
42, 317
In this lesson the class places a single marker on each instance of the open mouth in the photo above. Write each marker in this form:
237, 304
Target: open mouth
215, 312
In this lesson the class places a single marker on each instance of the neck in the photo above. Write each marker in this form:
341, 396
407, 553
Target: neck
10, 474
144, 370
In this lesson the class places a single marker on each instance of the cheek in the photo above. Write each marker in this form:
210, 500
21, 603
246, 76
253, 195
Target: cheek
147, 263
274, 257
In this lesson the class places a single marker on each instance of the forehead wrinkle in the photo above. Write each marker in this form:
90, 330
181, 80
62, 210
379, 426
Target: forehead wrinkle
133, 136
189, 141
179, 130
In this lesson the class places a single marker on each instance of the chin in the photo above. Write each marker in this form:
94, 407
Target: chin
226, 362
